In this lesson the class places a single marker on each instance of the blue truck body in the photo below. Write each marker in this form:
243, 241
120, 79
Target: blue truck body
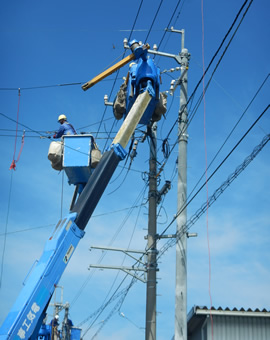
29, 307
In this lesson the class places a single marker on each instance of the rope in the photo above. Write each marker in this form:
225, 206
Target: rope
13, 164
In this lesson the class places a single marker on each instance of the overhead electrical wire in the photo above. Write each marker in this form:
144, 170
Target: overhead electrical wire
123, 293
217, 168
176, 7
196, 87
134, 23
254, 154
45, 86
116, 307
146, 36
27, 127
116, 77
119, 303
194, 218
211, 77
40, 134
210, 63
26, 137
135, 204
38, 87
93, 216
214, 197
223, 41
152, 24
208, 68
28, 229
102, 307
231, 132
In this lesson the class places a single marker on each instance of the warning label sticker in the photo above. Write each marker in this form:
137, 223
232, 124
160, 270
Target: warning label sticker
68, 254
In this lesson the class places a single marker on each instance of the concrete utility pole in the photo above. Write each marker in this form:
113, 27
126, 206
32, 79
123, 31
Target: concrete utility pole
181, 245
180, 332
150, 333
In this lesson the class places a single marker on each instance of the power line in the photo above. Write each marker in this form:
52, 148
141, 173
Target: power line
205, 206
216, 194
231, 132
49, 132
98, 138
120, 302
94, 216
27, 127
176, 7
152, 24
116, 307
219, 61
45, 86
102, 307
135, 204
38, 87
193, 93
219, 166
220, 46
211, 200
254, 154
28, 229
113, 297
134, 23
212, 60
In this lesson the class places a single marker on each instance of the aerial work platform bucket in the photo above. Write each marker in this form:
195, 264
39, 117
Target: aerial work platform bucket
77, 157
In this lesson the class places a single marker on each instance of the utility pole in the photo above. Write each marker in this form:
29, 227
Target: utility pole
150, 333
180, 332
150, 267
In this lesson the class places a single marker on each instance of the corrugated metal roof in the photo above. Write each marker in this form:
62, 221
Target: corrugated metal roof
227, 311
228, 324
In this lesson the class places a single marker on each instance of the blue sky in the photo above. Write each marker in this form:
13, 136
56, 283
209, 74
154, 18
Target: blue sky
45, 44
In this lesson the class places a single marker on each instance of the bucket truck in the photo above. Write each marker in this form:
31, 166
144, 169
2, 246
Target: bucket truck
26, 316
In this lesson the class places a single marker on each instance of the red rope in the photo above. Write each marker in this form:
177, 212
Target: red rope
22, 144
13, 164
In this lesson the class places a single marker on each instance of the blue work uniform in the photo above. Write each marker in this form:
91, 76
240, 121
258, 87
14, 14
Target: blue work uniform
65, 129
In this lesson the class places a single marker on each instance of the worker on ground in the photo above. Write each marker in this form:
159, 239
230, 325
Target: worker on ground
54, 328
65, 128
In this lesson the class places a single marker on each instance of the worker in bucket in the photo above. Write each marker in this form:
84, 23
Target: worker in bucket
65, 127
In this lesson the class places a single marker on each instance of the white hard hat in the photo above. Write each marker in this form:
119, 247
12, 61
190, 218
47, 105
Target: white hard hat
62, 117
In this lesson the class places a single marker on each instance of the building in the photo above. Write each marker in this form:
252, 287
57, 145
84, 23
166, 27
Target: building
228, 324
